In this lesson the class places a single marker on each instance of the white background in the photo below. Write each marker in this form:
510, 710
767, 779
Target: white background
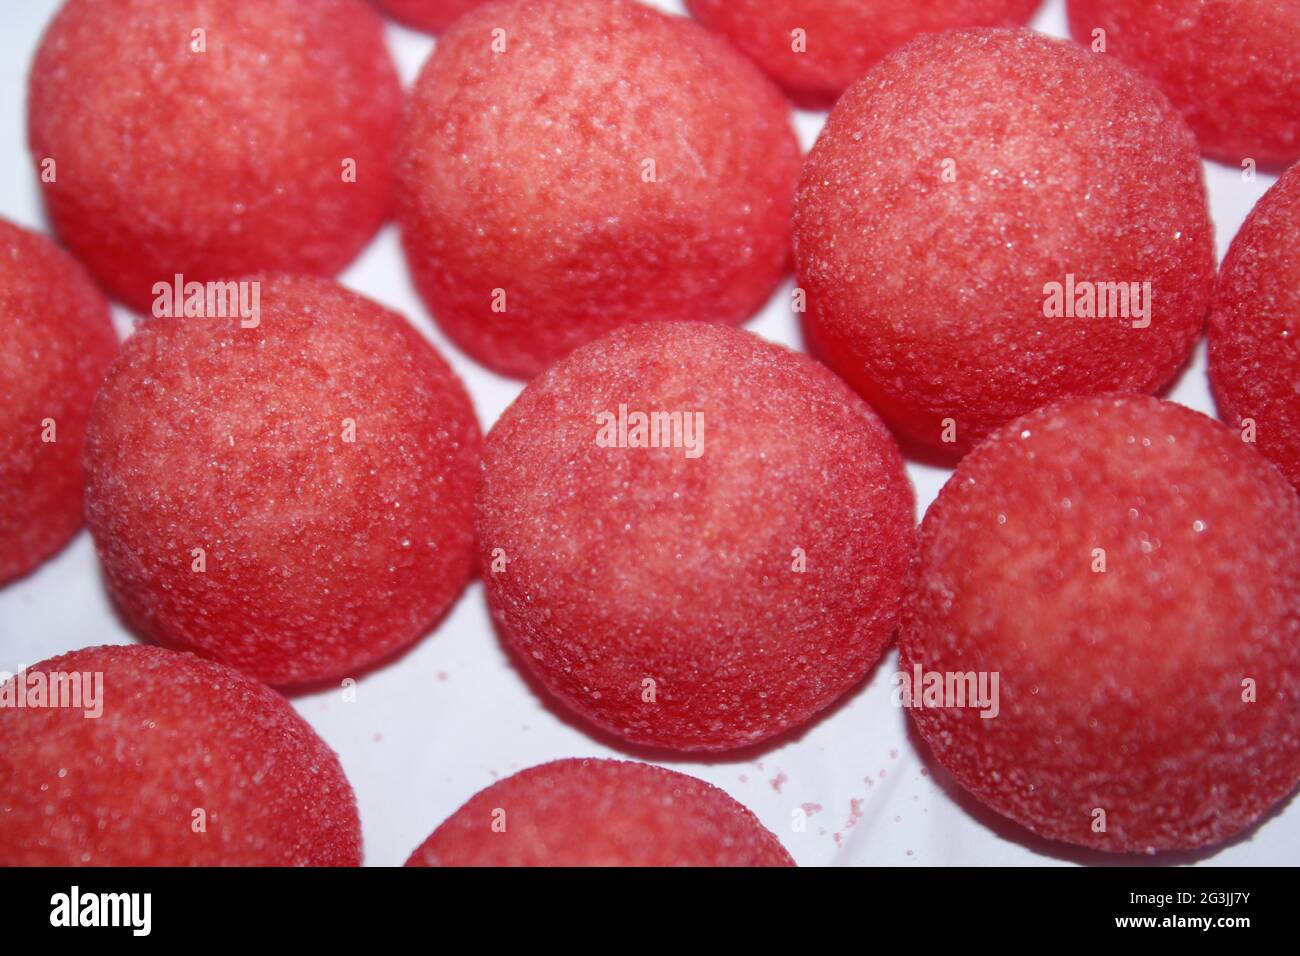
451, 716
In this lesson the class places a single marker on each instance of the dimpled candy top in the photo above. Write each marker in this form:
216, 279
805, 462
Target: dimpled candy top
1255, 327
840, 39
1229, 65
262, 142
1131, 571
294, 499
56, 344
567, 168
714, 590
430, 16
188, 764
977, 224
601, 813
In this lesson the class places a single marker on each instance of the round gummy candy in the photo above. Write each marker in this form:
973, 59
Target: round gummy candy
1129, 572
1255, 327
601, 813
567, 168
212, 138
816, 48
56, 345
295, 498
692, 537
1230, 67
993, 220
431, 16
139, 756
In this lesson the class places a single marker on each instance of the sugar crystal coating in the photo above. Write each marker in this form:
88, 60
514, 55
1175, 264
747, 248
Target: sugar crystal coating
56, 344
717, 589
601, 813
431, 16
1230, 67
187, 764
293, 499
1131, 572
213, 137
1255, 328
977, 226
567, 168
816, 48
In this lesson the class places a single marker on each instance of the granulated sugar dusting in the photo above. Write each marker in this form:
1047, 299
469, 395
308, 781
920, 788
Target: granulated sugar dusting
1231, 68
817, 48
710, 592
55, 345
1255, 328
995, 219
294, 499
213, 137
188, 763
601, 813
567, 168
1130, 570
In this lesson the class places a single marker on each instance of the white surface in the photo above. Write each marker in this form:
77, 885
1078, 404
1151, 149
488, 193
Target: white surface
452, 715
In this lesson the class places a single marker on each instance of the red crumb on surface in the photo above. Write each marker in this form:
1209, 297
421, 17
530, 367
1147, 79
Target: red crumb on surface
601, 813
855, 813
1130, 569
636, 564
189, 764
323, 462
959, 180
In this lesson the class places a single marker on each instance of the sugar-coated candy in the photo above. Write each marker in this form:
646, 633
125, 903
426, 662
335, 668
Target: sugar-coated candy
291, 495
694, 538
1121, 577
601, 813
141, 756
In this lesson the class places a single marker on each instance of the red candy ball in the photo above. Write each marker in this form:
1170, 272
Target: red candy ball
186, 763
567, 168
1131, 572
213, 137
601, 813
431, 16
293, 499
699, 582
1230, 67
837, 40
1255, 327
56, 344
993, 220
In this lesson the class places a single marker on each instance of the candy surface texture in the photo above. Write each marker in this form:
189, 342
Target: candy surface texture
294, 499
56, 345
601, 813
993, 220
816, 48
1130, 572
156, 758
1255, 328
1230, 66
567, 168
213, 138
703, 581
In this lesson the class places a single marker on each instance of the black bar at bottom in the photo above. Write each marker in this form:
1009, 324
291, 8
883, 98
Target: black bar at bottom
974, 906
